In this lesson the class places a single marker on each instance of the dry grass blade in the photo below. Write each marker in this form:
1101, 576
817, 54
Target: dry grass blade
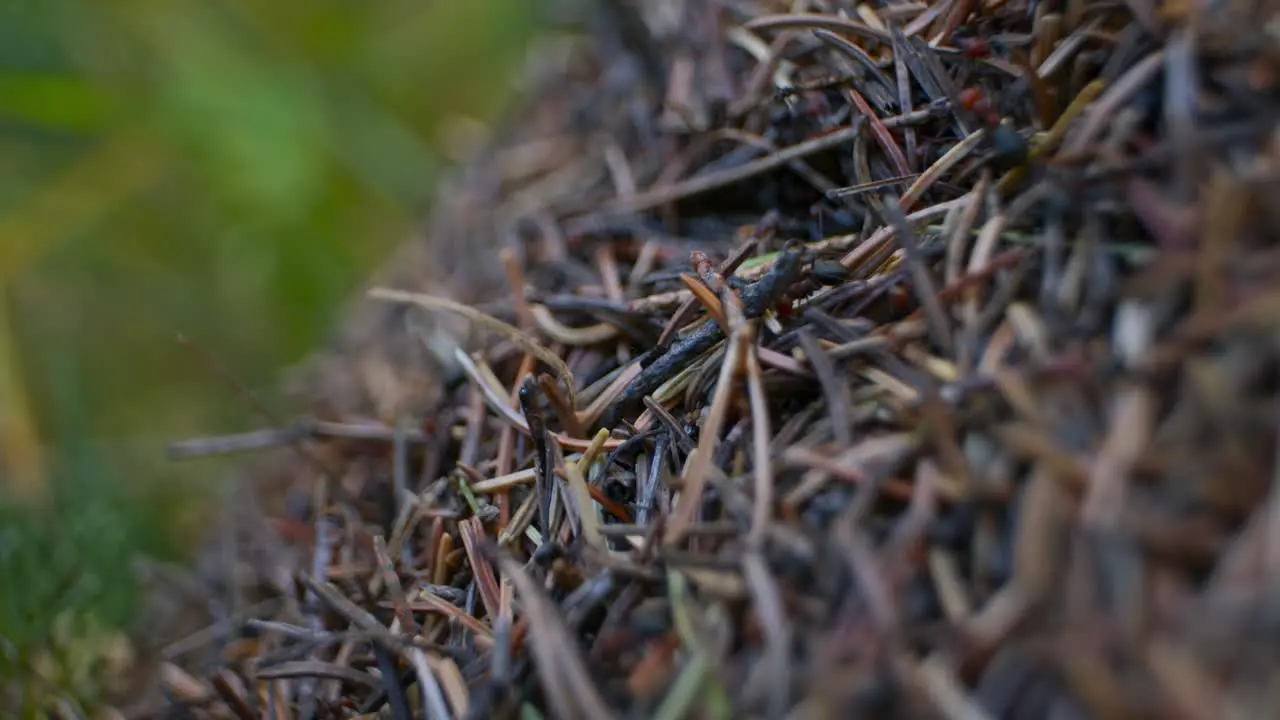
705, 296
836, 391
311, 668
1106, 104
942, 687
452, 682
872, 185
513, 334
592, 335
232, 692
767, 600
560, 666
760, 436
581, 494
433, 701
472, 532
698, 468
502, 482
391, 580
428, 602
815, 20
497, 402
938, 326
936, 171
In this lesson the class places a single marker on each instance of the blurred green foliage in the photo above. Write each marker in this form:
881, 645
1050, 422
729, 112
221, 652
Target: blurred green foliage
225, 169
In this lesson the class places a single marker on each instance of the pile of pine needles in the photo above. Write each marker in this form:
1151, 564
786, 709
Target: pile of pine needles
805, 360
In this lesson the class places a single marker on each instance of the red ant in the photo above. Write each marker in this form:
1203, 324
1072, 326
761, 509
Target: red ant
1010, 149
974, 48
974, 100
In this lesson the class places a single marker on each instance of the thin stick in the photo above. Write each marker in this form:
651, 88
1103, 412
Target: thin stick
921, 281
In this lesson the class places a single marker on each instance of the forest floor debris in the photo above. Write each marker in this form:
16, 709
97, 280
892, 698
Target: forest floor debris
884, 359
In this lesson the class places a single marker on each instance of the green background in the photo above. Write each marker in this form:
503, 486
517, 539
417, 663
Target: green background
225, 170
